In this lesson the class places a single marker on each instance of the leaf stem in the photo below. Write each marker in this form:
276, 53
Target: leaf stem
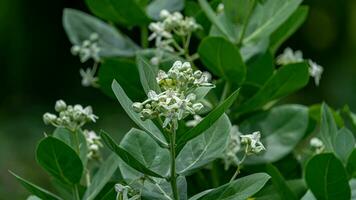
173, 177
237, 172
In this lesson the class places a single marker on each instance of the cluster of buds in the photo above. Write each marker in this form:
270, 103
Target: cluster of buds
163, 32
93, 143
177, 99
234, 145
317, 145
88, 49
253, 143
70, 117
290, 57
125, 192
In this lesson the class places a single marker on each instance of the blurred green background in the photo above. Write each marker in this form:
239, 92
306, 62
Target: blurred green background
36, 69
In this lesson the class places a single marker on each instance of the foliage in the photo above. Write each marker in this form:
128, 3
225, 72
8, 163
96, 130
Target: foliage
224, 129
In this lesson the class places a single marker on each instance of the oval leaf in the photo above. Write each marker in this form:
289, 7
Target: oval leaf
344, 144
239, 189
205, 148
79, 26
326, 178
281, 128
60, 160
223, 59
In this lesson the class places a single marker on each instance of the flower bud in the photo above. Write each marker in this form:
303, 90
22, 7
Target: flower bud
164, 14
49, 118
137, 107
197, 107
60, 106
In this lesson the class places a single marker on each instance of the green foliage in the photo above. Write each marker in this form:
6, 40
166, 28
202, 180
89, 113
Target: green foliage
327, 178
59, 160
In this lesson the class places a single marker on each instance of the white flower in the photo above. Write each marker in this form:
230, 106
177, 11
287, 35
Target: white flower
70, 117
88, 49
317, 145
60, 105
220, 8
93, 144
234, 146
196, 120
289, 57
254, 145
177, 100
315, 71
124, 191
88, 77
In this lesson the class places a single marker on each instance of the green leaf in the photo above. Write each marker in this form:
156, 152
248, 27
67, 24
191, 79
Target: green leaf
288, 28
223, 59
281, 128
79, 26
146, 151
260, 70
328, 128
215, 20
36, 190
308, 196
237, 11
126, 156
33, 198
205, 148
59, 160
344, 144
131, 12
239, 189
297, 186
105, 10
151, 191
154, 8
207, 122
280, 184
326, 178
351, 164
102, 176
146, 125
125, 72
267, 16
286, 80
68, 137
148, 74
349, 118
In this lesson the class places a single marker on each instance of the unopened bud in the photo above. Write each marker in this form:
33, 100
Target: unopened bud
49, 118
60, 106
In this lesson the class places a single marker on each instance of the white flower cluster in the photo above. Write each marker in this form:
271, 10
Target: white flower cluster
317, 145
125, 192
177, 99
93, 143
70, 117
253, 143
88, 49
290, 57
234, 145
163, 32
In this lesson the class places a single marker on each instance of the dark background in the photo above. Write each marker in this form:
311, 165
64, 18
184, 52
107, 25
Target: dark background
36, 69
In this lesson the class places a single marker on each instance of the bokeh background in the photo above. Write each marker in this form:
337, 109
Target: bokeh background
36, 69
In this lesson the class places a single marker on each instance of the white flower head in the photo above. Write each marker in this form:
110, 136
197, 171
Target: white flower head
88, 77
70, 117
93, 144
254, 145
177, 99
315, 71
289, 57
88, 49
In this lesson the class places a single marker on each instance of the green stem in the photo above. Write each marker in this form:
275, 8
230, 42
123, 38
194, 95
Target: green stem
173, 178
76, 192
144, 36
237, 172
215, 175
